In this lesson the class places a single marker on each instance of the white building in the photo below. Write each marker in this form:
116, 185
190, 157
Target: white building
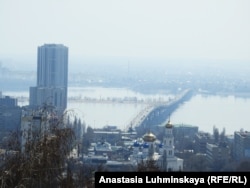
168, 160
241, 149
32, 125
36, 124
148, 148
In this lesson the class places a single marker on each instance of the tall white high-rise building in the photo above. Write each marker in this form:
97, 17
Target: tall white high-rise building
52, 77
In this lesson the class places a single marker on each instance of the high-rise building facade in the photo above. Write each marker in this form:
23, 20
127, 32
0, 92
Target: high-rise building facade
241, 149
52, 77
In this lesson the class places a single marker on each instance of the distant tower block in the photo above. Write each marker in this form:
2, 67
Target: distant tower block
52, 77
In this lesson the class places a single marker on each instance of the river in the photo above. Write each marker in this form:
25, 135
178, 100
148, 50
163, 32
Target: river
206, 111
98, 107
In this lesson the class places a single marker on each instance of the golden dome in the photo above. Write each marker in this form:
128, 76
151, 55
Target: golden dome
149, 137
169, 125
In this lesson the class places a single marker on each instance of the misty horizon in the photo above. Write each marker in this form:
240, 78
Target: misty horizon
175, 30
29, 63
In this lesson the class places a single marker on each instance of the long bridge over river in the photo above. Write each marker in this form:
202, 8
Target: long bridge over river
158, 113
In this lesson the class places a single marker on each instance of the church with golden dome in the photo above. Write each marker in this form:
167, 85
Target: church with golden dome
161, 151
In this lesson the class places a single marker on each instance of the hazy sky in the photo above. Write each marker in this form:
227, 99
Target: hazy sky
182, 29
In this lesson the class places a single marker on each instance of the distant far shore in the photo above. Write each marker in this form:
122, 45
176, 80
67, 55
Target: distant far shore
10, 92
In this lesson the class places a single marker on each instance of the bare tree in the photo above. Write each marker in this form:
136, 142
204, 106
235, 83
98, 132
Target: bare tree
42, 163
197, 163
149, 165
216, 134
